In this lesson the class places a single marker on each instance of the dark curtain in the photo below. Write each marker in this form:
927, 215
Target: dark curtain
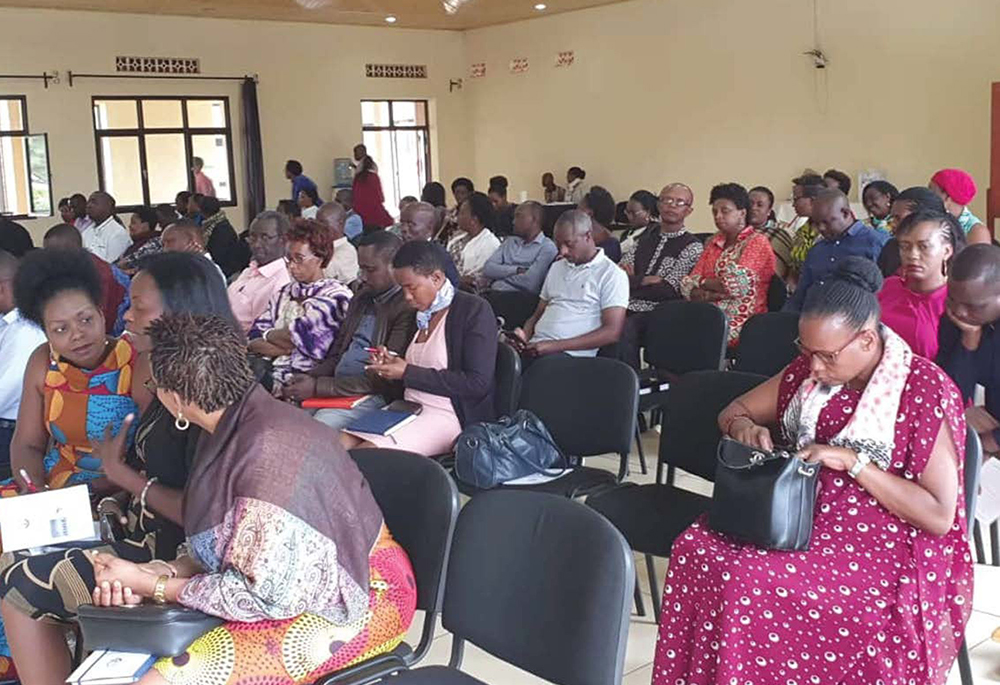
253, 154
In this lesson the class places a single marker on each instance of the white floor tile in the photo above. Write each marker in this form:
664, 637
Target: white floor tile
640, 676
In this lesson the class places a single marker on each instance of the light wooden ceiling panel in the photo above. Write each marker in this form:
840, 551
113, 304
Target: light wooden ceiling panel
427, 14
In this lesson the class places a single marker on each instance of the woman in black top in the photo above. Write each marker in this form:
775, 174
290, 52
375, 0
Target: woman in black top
227, 250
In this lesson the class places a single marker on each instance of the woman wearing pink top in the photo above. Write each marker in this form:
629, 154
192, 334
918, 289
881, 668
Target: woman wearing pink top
913, 301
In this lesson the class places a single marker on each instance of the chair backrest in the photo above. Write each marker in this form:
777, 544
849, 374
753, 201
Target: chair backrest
690, 435
544, 583
589, 404
686, 336
507, 379
767, 343
420, 504
973, 466
777, 294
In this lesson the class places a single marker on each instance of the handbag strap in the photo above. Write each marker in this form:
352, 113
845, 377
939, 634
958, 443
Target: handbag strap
750, 457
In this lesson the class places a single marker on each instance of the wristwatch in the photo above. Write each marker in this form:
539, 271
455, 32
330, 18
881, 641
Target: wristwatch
862, 461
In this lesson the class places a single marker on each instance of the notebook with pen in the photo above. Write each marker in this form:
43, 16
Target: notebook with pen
386, 421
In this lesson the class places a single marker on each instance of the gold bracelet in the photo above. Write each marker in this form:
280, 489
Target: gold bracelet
160, 590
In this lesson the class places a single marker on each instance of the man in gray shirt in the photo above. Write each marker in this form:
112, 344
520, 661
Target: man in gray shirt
518, 267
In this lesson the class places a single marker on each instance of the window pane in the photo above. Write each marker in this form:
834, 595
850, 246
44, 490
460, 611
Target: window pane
14, 184
162, 114
375, 113
11, 115
112, 114
38, 175
167, 165
212, 150
206, 113
409, 113
121, 170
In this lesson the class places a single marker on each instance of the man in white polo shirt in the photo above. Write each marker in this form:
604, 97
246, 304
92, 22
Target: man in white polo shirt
107, 239
583, 301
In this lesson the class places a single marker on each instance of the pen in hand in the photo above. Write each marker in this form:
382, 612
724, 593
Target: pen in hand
28, 483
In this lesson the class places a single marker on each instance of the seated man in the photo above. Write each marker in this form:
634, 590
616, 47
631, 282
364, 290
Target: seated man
343, 267
841, 235
114, 281
378, 315
518, 267
253, 289
18, 339
107, 238
353, 225
419, 221
187, 236
969, 349
583, 302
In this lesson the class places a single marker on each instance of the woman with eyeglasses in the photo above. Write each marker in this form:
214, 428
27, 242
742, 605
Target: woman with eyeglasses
735, 269
641, 211
887, 579
302, 320
42, 592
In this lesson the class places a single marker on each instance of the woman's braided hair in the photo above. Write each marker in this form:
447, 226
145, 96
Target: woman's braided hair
200, 357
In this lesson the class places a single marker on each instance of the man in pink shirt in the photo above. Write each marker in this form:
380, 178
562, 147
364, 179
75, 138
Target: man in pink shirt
202, 183
267, 274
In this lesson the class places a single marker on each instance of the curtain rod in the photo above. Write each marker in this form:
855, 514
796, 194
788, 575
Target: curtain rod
73, 76
45, 77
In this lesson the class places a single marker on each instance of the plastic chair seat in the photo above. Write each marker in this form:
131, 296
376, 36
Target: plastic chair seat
436, 675
650, 516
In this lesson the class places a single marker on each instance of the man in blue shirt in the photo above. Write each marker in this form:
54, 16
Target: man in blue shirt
841, 235
293, 172
353, 225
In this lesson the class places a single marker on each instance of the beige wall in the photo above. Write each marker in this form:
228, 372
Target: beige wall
707, 91
311, 83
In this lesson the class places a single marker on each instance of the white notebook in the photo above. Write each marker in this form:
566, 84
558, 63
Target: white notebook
46, 518
105, 667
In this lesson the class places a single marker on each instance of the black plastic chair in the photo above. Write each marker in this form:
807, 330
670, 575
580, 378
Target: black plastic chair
973, 466
540, 582
767, 343
777, 294
420, 505
507, 379
651, 516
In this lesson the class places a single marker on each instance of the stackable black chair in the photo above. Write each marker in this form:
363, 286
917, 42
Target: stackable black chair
973, 466
767, 343
507, 380
651, 516
541, 582
420, 504
777, 294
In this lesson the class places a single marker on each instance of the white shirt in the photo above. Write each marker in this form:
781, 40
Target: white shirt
343, 265
476, 251
109, 240
310, 212
575, 190
575, 296
18, 339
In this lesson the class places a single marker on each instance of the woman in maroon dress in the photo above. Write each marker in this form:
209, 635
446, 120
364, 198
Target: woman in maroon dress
884, 591
368, 197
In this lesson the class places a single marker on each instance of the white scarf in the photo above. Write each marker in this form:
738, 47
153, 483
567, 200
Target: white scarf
443, 299
872, 427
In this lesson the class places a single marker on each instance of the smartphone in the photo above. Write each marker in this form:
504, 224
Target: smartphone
406, 407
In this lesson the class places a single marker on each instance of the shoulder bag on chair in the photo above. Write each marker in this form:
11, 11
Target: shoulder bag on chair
765, 498
490, 454
163, 630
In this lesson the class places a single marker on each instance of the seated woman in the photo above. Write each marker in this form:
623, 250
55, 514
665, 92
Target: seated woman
309, 203
227, 250
885, 589
878, 197
301, 322
475, 242
910, 201
145, 239
600, 207
287, 542
805, 189
913, 301
642, 212
450, 364
152, 476
761, 217
735, 269
957, 189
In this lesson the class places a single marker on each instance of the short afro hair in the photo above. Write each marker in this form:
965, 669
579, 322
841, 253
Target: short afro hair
733, 192
842, 180
424, 257
314, 234
44, 274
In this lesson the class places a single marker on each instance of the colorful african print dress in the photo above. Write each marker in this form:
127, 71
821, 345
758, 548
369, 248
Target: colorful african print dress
873, 600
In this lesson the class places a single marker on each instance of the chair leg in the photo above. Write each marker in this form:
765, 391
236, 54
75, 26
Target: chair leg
671, 473
642, 454
654, 591
977, 538
964, 666
995, 542
640, 606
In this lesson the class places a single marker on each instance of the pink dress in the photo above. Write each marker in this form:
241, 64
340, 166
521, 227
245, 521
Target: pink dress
874, 599
916, 317
434, 431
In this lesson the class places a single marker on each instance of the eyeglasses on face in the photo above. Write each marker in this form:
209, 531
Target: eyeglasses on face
673, 202
827, 358
298, 259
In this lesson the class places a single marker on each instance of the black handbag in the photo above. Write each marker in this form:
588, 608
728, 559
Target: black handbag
764, 498
490, 454
163, 630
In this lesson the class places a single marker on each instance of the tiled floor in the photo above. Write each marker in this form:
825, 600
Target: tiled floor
985, 653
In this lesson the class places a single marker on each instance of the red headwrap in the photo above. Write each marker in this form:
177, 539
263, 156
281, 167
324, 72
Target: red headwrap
957, 184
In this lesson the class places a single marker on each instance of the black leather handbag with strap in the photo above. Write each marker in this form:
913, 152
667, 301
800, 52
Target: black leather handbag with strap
764, 498
163, 630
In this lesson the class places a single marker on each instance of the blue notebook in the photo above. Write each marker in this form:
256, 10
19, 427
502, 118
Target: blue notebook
383, 422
